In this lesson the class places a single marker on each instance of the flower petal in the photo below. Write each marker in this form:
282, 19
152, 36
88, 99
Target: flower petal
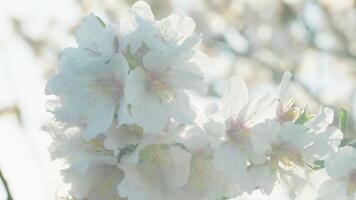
235, 97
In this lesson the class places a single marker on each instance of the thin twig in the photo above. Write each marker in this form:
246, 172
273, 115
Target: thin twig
4, 182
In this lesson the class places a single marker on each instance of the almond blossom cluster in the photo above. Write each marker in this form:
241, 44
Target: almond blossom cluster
126, 127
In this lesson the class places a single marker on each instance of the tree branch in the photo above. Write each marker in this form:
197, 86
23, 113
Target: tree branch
4, 182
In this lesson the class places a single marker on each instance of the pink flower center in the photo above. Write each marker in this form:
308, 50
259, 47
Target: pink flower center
110, 87
160, 87
237, 131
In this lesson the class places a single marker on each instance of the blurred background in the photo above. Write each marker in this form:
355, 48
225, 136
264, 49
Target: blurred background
255, 39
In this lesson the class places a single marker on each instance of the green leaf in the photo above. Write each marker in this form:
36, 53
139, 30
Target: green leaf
304, 116
126, 150
132, 59
343, 120
319, 164
181, 145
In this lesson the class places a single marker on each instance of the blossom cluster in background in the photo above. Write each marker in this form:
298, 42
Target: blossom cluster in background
127, 126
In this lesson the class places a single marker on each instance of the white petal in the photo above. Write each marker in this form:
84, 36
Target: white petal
118, 138
231, 161
296, 135
325, 143
235, 97
99, 119
264, 177
120, 66
132, 185
341, 163
264, 135
143, 10
151, 115
322, 121
261, 108
123, 113
332, 190
155, 61
177, 26
191, 42
283, 95
92, 36
195, 139
180, 109
63, 83
187, 80
136, 86
254, 157
181, 166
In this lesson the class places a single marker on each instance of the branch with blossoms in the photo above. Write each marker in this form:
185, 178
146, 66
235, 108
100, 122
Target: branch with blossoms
126, 124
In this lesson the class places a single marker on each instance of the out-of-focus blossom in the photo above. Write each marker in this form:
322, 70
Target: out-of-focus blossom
92, 170
341, 167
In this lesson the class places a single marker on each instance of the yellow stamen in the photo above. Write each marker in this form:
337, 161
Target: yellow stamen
287, 155
161, 87
199, 172
153, 158
97, 144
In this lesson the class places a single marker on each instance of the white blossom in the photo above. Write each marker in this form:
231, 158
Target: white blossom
126, 128
91, 169
341, 167
90, 80
162, 71
205, 180
234, 152
155, 166
286, 109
